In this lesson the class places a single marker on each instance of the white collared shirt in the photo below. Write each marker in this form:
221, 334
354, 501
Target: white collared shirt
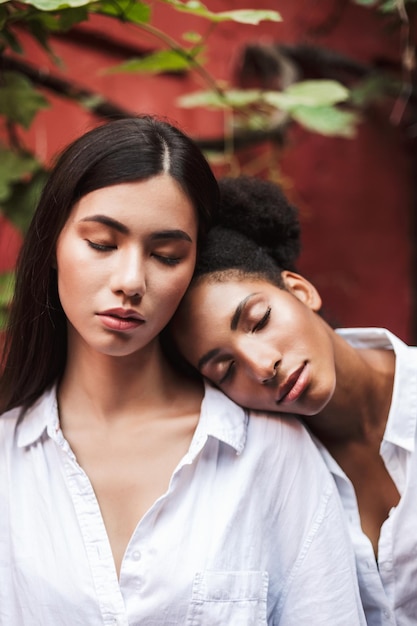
250, 532
389, 587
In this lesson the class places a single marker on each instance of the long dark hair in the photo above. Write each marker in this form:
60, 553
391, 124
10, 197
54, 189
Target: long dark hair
124, 150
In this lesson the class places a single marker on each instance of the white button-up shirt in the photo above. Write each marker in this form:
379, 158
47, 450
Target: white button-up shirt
250, 532
389, 586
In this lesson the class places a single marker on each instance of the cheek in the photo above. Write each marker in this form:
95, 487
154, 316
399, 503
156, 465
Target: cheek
72, 274
187, 339
77, 275
176, 282
169, 289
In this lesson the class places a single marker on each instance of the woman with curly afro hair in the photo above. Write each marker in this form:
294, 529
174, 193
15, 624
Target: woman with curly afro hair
252, 326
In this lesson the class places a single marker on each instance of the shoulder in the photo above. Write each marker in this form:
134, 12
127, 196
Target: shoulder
23, 425
287, 450
279, 429
10, 419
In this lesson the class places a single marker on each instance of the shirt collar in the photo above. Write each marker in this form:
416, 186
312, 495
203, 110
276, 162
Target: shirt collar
222, 419
402, 419
41, 416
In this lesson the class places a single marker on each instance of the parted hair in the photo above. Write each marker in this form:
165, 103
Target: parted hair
257, 231
124, 150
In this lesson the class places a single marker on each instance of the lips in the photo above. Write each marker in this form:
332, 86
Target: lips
121, 319
292, 388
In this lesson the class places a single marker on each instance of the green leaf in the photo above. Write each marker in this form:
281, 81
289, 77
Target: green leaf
372, 89
68, 18
56, 5
13, 167
367, 3
92, 102
390, 5
232, 98
124, 10
242, 16
249, 16
6, 288
19, 101
318, 92
162, 61
4, 14
209, 99
3, 319
7, 283
327, 120
192, 37
23, 199
311, 93
11, 40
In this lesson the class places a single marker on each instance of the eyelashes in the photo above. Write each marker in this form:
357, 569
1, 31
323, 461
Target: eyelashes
263, 321
101, 247
227, 374
165, 260
258, 326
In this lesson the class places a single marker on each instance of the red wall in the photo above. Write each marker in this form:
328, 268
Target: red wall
355, 196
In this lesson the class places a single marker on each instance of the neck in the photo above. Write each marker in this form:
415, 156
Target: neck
107, 387
358, 410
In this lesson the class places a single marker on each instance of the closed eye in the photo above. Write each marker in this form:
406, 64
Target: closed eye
263, 321
101, 247
228, 373
167, 260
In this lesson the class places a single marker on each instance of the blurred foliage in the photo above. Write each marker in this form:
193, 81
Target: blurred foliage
6, 293
322, 106
386, 6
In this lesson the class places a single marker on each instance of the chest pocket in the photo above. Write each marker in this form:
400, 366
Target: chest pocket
229, 599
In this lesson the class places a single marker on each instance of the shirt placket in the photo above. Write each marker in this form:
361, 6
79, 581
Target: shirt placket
96, 542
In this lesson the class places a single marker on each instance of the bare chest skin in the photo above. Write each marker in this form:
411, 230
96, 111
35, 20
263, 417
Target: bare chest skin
354, 431
130, 468
375, 490
360, 458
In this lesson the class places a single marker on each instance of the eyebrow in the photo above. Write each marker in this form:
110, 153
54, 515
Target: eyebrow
121, 228
239, 310
107, 221
172, 234
211, 354
207, 357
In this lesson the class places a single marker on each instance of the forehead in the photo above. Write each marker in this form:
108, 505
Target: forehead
211, 304
203, 320
159, 200
227, 291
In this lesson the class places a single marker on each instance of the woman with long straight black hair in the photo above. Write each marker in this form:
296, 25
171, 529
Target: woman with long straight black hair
130, 493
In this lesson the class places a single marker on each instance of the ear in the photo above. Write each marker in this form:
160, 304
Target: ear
302, 289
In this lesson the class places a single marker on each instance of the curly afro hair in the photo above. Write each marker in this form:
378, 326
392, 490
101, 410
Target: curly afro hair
257, 230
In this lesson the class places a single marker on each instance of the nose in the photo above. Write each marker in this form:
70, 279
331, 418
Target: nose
129, 275
262, 364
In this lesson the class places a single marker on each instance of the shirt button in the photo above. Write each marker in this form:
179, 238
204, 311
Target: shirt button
387, 613
136, 555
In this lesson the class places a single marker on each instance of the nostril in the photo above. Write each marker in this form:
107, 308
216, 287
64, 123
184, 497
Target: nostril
272, 375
